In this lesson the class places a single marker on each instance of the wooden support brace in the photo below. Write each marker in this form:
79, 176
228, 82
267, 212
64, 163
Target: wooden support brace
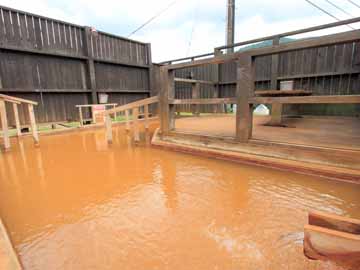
17, 120
108, 125
244, 90
136, 124
146, 116
4, 124
33, 124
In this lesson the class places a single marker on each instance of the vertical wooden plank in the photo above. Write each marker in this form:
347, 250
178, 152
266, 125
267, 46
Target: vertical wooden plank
90, 65
17, 120
146, 115
108, 125
127, 123
244, 90
276, 108
33, 123
195, 93
4, 124
136, 124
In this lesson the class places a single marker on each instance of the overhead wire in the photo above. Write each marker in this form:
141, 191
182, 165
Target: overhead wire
355, 4
193, 27
153, 18
326, 12
339, 8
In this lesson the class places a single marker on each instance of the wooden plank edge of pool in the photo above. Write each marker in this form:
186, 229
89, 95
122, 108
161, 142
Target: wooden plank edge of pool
218, 152
8, 257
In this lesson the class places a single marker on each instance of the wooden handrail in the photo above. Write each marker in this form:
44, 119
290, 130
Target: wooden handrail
132, 105
184, 80
17, 100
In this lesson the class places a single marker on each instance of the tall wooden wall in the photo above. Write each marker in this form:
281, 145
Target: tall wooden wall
60, 64
329, 70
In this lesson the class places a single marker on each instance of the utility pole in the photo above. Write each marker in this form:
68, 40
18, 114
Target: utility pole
230, 24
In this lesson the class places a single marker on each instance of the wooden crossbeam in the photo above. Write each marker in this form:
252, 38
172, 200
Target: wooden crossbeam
343, 99
203, 101
283, 93
132, 105
184, 80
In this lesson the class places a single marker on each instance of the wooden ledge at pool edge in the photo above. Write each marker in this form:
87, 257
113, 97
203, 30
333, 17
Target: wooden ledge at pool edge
334, 238
8, 257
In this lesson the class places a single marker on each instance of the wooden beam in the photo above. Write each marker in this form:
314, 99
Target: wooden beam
334, 222
203, 101
326, 244
135, 112
338, 99
131, 105
4, 124
265, 93
164, 104
17, 100
33, 123
17, 120
193, 81
81, 117
244, 90
90, 64
127, 123
108, 126
146, 116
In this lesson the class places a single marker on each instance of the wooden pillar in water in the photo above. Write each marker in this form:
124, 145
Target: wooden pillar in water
127, 123
195, 93
244, 90
17, 120
4, 124
136, 124
33, 124
146, 116
108, 125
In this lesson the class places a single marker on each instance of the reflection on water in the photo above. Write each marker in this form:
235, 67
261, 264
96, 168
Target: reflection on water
76, 202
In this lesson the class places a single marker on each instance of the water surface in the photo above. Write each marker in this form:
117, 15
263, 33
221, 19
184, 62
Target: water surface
77, 203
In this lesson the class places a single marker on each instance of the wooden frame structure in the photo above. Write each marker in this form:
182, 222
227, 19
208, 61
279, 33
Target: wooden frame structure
135, 108
80, 107
4, 122
245, 86
332, 237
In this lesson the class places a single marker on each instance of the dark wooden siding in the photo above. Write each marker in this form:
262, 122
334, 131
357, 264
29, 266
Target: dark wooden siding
47, 60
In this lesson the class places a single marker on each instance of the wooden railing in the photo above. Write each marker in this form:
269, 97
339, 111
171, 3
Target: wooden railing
245, 84
135, 107
4, 122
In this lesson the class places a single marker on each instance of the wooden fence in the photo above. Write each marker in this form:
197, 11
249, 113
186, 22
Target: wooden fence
329, 70
59, 65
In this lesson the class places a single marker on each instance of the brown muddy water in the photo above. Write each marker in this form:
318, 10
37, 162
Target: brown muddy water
77, 203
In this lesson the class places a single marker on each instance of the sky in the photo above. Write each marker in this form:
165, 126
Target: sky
188, 27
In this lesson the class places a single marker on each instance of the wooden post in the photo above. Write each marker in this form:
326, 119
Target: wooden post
81, 117
93, 115
33, 123
146, 115
17, 120
108, 125
4, 124
136, 124
195, 90
90, 64
167, 111
244, 90
276, 108
127, 123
